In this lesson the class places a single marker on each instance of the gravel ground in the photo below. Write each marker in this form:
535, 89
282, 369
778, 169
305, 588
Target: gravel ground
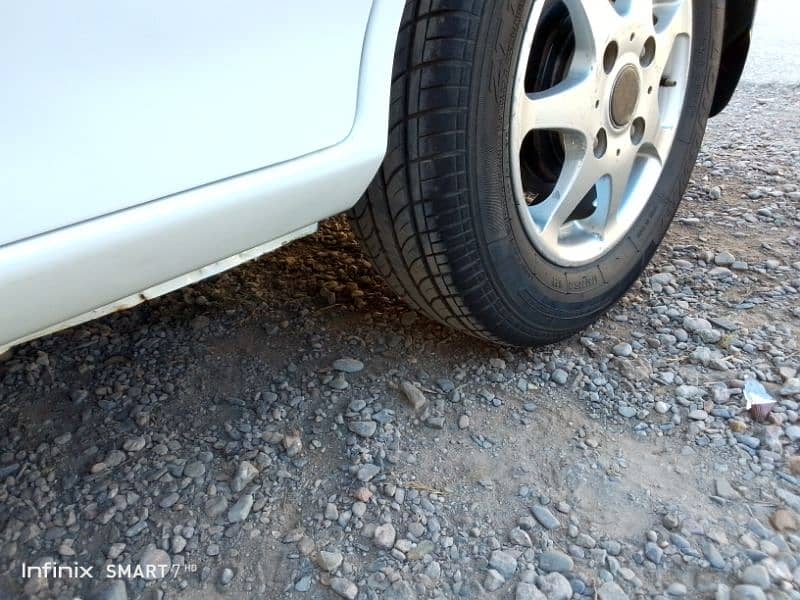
290, 430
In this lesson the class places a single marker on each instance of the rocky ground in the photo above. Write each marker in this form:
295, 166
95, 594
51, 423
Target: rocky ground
290, 430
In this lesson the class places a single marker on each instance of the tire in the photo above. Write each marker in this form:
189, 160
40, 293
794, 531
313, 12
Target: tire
440, 220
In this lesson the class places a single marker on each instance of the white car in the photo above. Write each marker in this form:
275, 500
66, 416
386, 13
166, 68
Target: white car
511, 166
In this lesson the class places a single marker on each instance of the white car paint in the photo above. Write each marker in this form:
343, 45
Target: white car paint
109, 104
81, 271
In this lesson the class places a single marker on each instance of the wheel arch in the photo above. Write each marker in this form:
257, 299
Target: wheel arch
739, 18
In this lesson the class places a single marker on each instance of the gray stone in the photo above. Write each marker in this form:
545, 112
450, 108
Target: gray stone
239, 511
747, 592
303, 584
155, 563
528, 591
110, 589
724, 489
559, 376
168, 500
367, 472
504, 563
611, 591
195, 469
348, 365
385, 536
413, 395
545, 517
493, 580
365, 429
623, 349
329, 561
245, 473
226, 576
555, 586
653, 553
555, 562
344, 588
756, 575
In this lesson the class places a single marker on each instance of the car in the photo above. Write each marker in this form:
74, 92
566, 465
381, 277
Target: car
510, 166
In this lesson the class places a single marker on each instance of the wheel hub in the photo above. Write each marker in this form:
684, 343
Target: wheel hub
589, 141
625, 96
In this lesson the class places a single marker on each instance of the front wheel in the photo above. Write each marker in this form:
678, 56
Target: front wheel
538, 151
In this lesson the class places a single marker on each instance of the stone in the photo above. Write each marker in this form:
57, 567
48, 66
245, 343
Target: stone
784, 520
611, 591
724, 489
239, 511
344, 588
134, 444
110, 589
413, 395
328, 561
519, 537
385, 536
545, 517
623, 349
504, 563
694, 325
245, 473
555, 586
662, 408
155, 563
226, 576
698, 415
653, 553
367, 472
528, 591
348, 365
554, 561
756, 575
303, 584
559, 376
747, 592
168, 500
493, 580
364, 429
194, 469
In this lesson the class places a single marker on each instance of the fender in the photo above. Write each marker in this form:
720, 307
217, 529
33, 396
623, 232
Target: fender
739, 18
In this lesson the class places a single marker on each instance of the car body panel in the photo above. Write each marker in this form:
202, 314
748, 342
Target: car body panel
82, 271
739, 19
107, 105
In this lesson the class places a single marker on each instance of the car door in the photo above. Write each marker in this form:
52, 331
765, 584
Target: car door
107, 105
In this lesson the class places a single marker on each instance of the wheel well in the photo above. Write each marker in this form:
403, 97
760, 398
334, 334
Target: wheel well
739, 17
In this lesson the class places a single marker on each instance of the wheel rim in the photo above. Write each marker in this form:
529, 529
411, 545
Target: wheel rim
598, 93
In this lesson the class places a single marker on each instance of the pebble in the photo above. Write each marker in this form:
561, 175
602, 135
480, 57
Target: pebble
385, 536
554, 561
329, 561
155, 563
559, 376
348, 365
545, 517
241, 509
504, 563
413, 395
611, 591
344, 587
747, 592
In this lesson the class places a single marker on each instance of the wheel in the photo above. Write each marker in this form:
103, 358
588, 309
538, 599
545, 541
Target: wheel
537, 154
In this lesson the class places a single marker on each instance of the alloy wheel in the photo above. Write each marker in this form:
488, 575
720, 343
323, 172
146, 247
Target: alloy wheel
598, 93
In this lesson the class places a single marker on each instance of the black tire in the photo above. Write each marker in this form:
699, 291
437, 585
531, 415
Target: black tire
439, 220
